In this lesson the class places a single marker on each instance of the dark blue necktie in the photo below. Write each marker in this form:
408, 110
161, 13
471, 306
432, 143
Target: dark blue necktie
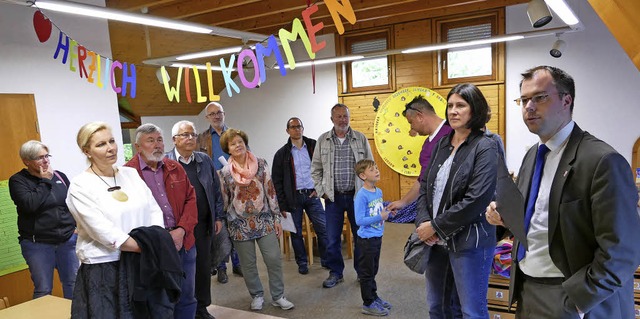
533, 193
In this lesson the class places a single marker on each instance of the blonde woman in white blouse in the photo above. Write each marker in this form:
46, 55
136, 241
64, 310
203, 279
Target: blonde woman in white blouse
107, 202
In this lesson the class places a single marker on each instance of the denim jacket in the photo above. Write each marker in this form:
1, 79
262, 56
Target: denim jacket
469, 190
323, 155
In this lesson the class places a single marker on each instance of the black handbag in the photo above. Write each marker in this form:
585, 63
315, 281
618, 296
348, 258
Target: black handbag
416, 254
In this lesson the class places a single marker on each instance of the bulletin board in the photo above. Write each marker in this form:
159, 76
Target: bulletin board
10, 254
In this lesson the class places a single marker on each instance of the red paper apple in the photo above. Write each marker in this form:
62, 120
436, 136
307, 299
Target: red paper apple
42, 25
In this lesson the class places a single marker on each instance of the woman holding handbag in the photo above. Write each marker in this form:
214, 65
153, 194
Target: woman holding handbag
459, 183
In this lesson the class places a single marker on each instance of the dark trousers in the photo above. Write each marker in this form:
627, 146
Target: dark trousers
313, 208
203, 265
335, 221
186, 306
368, 262
541, 300
235, 261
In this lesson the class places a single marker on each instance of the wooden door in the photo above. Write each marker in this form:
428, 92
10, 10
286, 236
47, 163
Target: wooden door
635, 161
20, 124
389, 179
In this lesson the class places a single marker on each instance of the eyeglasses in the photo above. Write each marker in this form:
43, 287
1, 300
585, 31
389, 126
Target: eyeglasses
214, 114
409, 107
187, 135
42, 157
536, 99
296, 127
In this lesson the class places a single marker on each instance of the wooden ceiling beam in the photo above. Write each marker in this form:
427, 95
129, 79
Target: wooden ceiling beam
136, 5
284, 10
375, 17
252, 11
193, 8
411, 14
274, 22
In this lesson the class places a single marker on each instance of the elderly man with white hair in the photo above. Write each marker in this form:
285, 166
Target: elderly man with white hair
204, 179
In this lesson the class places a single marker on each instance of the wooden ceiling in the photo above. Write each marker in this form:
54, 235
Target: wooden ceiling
134, 43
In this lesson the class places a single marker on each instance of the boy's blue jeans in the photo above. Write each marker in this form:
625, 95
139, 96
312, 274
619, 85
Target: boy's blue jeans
368, 262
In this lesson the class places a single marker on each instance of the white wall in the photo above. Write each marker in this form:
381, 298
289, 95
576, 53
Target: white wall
64, 101
263, 112
607, 82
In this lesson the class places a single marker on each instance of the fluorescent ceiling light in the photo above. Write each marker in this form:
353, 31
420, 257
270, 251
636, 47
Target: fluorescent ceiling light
111, 14
198, 66
144, 19
563, 11
324, 61
205, 54
436, 47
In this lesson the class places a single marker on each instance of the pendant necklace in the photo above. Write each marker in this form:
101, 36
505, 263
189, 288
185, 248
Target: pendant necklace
115, 191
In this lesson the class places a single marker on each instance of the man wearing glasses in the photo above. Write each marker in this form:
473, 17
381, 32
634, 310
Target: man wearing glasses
296, 192
204, 179
209, 142
580, 220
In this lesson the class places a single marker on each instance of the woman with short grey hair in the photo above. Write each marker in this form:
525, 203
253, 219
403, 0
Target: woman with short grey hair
46, 228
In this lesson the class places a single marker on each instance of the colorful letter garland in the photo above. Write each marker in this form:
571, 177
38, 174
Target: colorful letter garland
101, 70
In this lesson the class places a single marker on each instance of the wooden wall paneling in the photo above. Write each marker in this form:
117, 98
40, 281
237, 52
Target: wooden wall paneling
413, 69
362, 113
501, 67
502, 114
389, 180
406, 182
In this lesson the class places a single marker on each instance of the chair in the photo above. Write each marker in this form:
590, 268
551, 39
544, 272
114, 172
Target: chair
309, 236
347, 235
4, 302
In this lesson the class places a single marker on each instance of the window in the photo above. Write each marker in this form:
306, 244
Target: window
367, 75
471, 64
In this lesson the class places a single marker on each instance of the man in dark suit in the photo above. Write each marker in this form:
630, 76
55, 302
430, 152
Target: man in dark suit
582, 227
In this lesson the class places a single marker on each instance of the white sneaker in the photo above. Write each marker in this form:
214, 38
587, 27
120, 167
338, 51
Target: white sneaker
283, 303
257, 302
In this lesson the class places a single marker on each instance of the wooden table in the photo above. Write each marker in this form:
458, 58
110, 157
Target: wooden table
50, 307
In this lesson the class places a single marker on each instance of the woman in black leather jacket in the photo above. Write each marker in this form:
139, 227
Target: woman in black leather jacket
45, 225
460, 182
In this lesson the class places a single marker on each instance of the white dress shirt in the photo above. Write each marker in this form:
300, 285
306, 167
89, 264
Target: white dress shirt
537, 262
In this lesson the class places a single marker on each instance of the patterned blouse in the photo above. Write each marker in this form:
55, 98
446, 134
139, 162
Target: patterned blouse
252, 210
